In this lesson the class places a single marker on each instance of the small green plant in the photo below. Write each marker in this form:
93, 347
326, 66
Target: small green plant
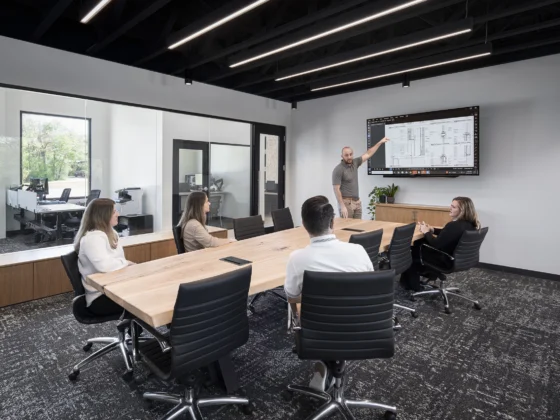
391, 190
374, 196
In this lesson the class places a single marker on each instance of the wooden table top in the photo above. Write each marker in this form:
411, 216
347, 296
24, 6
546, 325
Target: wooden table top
149, 290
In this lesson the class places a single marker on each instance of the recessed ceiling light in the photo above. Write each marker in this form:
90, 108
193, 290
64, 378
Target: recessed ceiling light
95, 11
330, 32
218, 23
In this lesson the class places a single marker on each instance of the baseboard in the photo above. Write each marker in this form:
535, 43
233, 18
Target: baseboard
523, 272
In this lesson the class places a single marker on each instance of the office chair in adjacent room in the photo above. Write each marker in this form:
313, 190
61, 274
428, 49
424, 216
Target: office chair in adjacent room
209, 322
344, 316
282, 219
215, 207
178, 236
399, 257
65, 195
84, 316
93, 194
75, 219
465, 257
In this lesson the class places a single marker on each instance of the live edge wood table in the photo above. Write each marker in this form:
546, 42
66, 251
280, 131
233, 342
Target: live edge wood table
149, 290
38, 273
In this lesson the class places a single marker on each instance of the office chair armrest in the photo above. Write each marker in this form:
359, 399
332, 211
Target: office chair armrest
160, 338
426, 250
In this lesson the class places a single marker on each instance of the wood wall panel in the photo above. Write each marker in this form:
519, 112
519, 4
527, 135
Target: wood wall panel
138, 253
16, 284
163, 249
50, 279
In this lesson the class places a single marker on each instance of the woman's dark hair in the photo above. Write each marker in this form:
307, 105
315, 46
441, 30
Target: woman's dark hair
317, 215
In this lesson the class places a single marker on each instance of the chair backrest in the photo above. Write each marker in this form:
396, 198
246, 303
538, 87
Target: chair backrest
346, 316
371, 241
467, 251
215, 204
399, 254
65, 194
93, 194
209, 320
248, 227
178, 236
282, 219
70, 263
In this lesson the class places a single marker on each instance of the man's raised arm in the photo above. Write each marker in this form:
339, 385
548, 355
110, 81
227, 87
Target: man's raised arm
371, 151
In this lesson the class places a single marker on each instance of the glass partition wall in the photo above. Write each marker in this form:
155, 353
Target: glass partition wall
58, 153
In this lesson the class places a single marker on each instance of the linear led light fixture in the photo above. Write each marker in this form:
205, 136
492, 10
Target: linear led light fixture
218, 23
330, 32
441, 63
100, 6
365, 57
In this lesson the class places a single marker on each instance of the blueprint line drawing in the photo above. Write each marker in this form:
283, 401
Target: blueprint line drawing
435, 143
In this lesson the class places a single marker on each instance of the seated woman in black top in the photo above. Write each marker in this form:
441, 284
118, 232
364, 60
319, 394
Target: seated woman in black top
464, 217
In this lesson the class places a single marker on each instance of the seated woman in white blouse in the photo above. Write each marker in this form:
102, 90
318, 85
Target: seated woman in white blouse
99, 251
193, 224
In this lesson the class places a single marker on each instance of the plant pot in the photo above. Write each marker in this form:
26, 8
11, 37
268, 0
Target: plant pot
391, 200
382, 199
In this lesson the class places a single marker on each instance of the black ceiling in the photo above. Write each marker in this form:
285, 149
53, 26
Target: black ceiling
138, 33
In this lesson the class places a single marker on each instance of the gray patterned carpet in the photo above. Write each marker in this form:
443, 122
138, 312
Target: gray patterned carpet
499, 363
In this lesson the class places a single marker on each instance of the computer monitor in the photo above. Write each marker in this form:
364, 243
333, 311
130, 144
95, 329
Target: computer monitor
40, 186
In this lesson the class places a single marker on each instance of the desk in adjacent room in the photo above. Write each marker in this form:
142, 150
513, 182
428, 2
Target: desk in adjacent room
149, 290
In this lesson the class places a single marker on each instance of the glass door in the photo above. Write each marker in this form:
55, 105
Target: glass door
190, 172
269, 154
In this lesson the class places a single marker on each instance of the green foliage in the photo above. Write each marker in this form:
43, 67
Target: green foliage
374, 199
391, 190
50, 150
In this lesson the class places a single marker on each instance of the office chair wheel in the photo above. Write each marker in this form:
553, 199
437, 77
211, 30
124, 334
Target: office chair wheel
247, 409
287, 395
389, 415
74, 375
87, 347
447, 310
414, 314
477, 306
395, 320
128, 376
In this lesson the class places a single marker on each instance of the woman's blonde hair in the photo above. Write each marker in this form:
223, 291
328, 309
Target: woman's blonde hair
194, 209
467, 211
98, 216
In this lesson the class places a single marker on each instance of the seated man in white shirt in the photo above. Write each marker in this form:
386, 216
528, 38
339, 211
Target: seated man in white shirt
324, 253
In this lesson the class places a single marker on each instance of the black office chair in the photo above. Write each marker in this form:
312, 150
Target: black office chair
84, 316
178, 236
65, 195
371, 241
93, 194
344, 316
465, 257
282, 219
248, 227
209, 322
75, 219
399, 258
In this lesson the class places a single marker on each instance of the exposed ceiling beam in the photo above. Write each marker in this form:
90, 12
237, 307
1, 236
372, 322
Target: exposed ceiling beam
377, 24
514, 11
143, 15
370, 50
288, 27
50, 18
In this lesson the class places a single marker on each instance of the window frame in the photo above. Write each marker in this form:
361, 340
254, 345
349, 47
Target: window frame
21, 113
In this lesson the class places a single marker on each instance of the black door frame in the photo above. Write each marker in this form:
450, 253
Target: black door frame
276, 130
179, 144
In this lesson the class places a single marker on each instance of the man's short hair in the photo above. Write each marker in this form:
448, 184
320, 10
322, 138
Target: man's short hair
345, 147
317, 215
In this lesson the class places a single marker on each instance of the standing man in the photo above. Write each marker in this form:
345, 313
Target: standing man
345, 181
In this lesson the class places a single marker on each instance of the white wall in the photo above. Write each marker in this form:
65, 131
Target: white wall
517, 194
28, 65
189, 127
13, 102
133, 154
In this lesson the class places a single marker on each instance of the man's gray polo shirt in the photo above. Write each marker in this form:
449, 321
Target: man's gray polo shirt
346, 176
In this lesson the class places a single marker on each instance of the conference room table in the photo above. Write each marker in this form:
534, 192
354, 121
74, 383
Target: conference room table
149, 290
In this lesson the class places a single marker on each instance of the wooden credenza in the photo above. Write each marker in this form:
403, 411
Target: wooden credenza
38, 273
408, 213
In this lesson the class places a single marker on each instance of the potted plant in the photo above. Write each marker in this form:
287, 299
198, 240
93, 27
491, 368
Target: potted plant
390, 192
375, 196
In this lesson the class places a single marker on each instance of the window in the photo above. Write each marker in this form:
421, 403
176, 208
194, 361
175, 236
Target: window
58, 148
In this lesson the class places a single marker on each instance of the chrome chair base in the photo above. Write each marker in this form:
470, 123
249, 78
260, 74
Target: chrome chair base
120, 342
445, 292
334, 400
190, 406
